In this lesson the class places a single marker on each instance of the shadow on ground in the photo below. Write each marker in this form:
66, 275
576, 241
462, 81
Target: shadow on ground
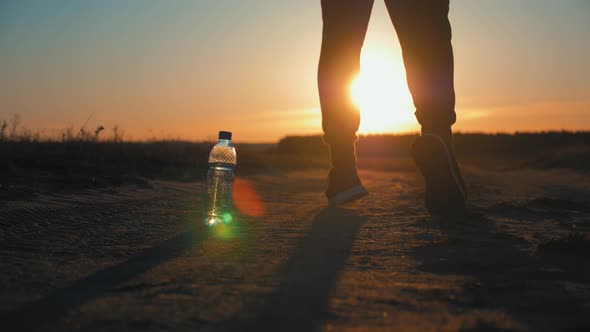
503, 273
58, 303
300, 302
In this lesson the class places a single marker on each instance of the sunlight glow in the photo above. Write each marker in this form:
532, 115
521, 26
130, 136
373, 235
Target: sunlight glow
246, 199
382, 94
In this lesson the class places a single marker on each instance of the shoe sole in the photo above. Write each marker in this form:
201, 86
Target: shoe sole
434, 161
348, 195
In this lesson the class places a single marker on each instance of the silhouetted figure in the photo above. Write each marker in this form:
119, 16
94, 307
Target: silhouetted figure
424, 33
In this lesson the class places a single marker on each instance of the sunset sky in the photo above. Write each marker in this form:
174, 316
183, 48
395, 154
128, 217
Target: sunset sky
186, 69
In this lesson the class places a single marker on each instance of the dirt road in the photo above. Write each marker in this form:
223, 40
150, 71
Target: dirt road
136, 258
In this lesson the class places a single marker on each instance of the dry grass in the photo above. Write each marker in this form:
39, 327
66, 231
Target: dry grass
88, 157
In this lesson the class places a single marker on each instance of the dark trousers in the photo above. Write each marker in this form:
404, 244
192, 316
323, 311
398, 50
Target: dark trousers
424, 33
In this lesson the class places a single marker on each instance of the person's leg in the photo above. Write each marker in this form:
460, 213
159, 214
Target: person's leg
424, 31
344, 27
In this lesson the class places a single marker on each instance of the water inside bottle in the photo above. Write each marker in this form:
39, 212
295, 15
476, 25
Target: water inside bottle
220, 181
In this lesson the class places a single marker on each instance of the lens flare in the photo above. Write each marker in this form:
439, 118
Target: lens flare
225, 231
227, 218
246, 199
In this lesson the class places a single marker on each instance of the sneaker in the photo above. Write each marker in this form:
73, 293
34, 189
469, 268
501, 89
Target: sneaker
445, 190
344, 187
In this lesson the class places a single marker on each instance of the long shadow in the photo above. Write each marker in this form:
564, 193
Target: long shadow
34, 315
300, 302
504, 276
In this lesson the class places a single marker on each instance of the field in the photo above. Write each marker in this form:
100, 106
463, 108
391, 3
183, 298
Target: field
106, 235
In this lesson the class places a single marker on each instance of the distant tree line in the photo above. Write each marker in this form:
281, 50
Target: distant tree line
465, 144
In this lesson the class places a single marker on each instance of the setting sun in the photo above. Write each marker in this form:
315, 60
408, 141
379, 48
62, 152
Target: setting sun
382, 94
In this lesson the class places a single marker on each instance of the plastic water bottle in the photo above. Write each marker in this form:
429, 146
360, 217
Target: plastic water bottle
222, 161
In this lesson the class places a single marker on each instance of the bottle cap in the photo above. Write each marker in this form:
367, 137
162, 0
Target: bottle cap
224, 135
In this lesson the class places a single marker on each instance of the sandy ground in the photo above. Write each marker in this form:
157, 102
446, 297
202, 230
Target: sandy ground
135, 257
